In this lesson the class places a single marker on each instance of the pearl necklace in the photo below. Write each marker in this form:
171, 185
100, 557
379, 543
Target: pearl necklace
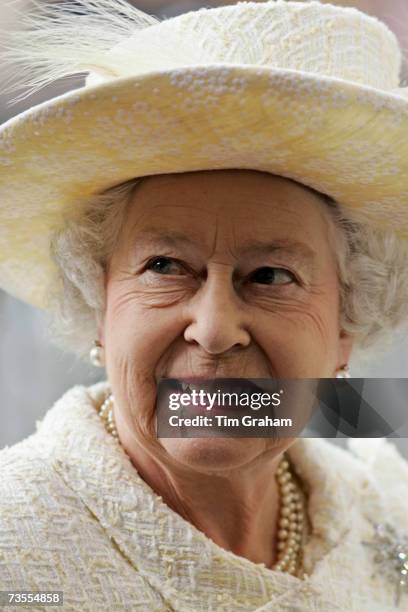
291, 516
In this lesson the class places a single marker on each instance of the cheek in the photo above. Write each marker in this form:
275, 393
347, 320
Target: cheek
301, 338
137, 334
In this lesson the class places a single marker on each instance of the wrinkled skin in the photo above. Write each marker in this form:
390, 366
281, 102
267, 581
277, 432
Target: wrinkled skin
226, 273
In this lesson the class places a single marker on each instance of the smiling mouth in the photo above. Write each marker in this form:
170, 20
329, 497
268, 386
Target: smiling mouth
187, 384
226, 393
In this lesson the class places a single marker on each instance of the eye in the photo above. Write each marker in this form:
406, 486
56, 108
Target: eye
165, 265
272, 276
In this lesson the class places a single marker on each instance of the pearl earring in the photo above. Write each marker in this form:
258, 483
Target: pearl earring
97, 354
343, 372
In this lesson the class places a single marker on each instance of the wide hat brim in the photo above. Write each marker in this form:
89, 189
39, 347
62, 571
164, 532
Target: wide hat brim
341, 138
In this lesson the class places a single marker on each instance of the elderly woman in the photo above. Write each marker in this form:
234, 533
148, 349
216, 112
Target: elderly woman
226, 197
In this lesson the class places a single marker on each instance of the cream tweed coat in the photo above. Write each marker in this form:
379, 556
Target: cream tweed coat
75, 516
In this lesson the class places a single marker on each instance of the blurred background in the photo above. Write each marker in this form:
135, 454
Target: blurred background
34, 373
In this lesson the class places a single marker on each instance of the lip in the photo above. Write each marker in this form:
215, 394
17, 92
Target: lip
226, 384
237, 386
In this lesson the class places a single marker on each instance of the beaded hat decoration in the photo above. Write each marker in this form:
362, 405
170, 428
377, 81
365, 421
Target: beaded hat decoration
304, 90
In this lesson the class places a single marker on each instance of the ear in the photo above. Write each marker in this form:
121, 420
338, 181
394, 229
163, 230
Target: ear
346, 342
101, 329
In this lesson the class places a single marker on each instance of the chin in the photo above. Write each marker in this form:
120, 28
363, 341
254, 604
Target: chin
213, 454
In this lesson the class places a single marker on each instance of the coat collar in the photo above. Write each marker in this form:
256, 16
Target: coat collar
175, 557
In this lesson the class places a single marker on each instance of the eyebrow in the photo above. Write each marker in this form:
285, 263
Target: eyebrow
284, 246
168, 238
294, 248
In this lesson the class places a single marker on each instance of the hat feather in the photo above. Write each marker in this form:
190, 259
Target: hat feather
55, 41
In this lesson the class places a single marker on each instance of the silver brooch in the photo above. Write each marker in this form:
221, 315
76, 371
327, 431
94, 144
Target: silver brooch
391, 556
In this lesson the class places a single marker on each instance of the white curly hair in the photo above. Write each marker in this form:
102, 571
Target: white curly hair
372, 266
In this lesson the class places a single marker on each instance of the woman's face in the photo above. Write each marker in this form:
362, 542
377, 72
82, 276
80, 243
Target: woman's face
218, 274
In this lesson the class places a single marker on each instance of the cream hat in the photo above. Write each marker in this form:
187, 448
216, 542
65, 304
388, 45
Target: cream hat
304, 90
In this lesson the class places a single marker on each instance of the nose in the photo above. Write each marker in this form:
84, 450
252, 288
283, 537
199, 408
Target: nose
218, 321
